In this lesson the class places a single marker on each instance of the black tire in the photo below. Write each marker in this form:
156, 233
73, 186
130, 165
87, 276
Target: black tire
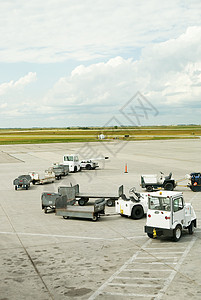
177, 233
110, 202
16, 187
169, 186
191, 228
33, 182
88, 167
45, 210
137, 212
75, 169
27, 187
95, 218
65, 217
149, 188
81, 202
150, 235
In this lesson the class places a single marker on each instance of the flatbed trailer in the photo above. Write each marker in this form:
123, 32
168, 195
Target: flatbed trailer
83, 198
67, 210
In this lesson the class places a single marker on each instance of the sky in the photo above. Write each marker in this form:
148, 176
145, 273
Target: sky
66, 63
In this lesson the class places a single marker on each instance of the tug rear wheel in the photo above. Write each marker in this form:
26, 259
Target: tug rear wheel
177, 233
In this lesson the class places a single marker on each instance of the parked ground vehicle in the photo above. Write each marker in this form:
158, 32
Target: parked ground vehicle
59, 170
75, 164
43, 177
153, 181
67, 209
195, 182
89, 164
72, 160
168, 215
22, 181
135, 206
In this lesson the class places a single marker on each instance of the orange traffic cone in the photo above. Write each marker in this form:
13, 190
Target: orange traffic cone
126, 168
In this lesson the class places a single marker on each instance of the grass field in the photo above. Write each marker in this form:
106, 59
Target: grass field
63, 135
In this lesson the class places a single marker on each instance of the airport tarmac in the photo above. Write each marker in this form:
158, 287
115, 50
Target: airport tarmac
43, 256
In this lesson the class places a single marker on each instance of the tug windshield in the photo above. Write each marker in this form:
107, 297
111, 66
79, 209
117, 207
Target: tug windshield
159, 203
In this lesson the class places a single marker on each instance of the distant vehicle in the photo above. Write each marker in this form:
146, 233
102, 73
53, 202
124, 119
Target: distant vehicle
22, 181
44, 177
168, 215
75, 164
153, 181
89, 164
72, 160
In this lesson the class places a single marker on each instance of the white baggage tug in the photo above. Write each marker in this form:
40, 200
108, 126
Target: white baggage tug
168, 215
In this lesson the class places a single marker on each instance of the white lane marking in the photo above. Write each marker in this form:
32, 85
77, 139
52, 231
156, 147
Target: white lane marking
140, 278
134, 284
146, 270
156, 257
129, 295
123, 267
65, 236
173, 273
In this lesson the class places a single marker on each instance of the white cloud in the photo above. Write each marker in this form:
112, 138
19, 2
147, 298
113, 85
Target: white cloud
168, 74
13, 86
57, 30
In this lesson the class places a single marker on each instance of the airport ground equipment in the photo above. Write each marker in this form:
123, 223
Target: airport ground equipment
153, 181
195, 182
84, 197
59, 170
89, 164
22, 181
43, 177
75, 164
48, 200
67, 210
135, 206
168, 215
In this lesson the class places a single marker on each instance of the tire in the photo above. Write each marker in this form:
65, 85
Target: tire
177, 233
149, 188
191, 228
137, 212
95, 218
88, 167
81, 201
110, 202
27, 187
16, 187
64, 217
75, 169
33, 182
45, 210
150, 235
169, 186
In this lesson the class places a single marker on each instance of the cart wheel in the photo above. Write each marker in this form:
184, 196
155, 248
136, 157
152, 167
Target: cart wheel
169, 186
16, 187
81, 201
110, 202
95, 218
191, 228
150, 235
149, 188
137, 212
177, 233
